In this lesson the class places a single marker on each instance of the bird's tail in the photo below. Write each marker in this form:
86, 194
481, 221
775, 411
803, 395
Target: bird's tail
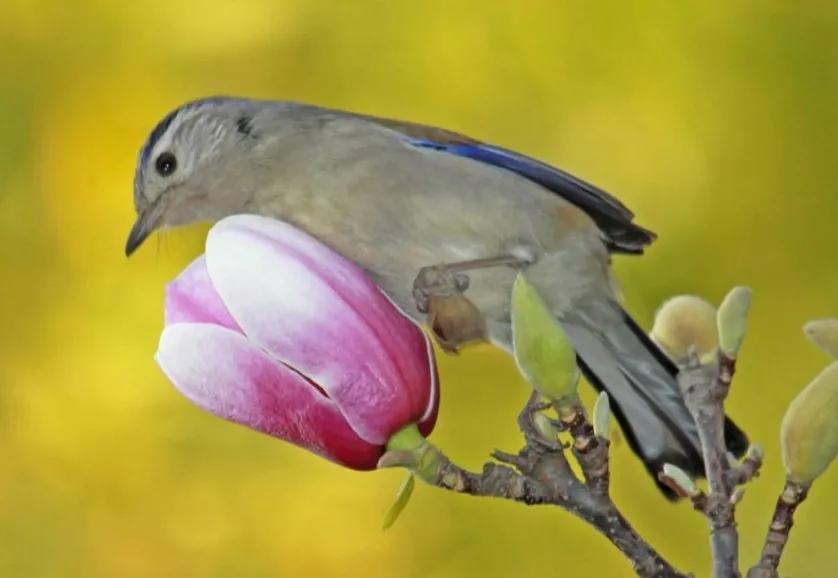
641, 382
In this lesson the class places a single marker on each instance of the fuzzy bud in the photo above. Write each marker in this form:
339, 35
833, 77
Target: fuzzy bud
733, 320
809, 432
824, 334
543, 351
602, 416
683, 323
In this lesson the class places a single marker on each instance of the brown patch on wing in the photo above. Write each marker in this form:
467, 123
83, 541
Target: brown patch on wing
569, 217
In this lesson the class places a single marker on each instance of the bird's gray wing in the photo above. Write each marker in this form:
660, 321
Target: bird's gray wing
613, 218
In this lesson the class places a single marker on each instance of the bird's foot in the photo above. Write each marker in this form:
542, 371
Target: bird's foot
438, 291
437, 281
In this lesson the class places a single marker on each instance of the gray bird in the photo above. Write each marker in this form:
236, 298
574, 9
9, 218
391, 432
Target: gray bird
399, 197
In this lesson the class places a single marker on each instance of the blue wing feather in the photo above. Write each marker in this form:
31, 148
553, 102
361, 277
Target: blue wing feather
613, 218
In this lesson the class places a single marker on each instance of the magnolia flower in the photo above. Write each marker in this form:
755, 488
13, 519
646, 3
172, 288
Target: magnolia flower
275, 331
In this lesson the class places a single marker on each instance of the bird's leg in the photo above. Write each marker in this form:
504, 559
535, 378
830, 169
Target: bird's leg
447, 279
438, 292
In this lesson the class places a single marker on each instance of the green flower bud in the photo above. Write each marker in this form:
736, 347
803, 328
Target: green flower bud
683, 323
733, 320
602, 416
824, 334
543, 351
809, 433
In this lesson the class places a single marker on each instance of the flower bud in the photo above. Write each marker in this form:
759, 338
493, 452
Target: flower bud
824, 334
679, 480
809, 432
683, 323
273, 330
733, 320
602, 416
543, 351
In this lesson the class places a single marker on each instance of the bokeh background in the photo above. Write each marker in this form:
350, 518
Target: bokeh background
715, 121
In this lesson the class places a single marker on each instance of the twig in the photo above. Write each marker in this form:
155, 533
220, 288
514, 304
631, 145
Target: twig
749, 467
705, 389
591, 451
542, 475
778, 532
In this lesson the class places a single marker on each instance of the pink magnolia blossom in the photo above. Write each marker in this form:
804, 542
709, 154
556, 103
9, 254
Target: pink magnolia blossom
273, 330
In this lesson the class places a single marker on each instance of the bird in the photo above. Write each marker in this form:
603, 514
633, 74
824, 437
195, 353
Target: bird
398, 198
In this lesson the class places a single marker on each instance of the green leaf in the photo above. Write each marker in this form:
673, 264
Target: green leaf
543, 352
809, 433
402, 497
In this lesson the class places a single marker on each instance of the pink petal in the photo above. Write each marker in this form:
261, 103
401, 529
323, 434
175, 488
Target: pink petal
191, 298
428, 419
319, 313
221, 372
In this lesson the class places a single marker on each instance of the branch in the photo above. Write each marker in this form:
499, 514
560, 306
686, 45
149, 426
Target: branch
749, 467
591, 452
778, 532
705, 389
540, 474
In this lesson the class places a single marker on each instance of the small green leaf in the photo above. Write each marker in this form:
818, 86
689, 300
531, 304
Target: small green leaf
402, 498
602, 416
809, 433
824, 334
733, 320
543, 351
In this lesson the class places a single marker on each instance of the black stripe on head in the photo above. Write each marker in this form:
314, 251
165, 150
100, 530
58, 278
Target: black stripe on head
157, 134
145, 152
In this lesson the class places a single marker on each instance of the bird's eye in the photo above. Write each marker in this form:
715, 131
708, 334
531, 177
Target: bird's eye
165, 164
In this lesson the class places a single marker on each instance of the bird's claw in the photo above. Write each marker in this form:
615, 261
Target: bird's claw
437, 281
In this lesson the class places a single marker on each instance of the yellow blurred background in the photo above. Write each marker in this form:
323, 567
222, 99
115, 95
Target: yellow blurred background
715, 121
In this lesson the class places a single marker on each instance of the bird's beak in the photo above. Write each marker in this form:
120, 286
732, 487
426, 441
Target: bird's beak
139, 232
147, 221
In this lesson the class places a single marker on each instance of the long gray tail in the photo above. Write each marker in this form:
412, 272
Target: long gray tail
641, 382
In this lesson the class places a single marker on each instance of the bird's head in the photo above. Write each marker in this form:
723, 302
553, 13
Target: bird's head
188, 167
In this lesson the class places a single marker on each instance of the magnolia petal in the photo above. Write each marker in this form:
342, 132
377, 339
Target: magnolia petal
222, 373
191, 298
428, 419
316, 311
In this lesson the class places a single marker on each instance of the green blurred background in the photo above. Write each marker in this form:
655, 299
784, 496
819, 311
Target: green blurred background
714, 121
